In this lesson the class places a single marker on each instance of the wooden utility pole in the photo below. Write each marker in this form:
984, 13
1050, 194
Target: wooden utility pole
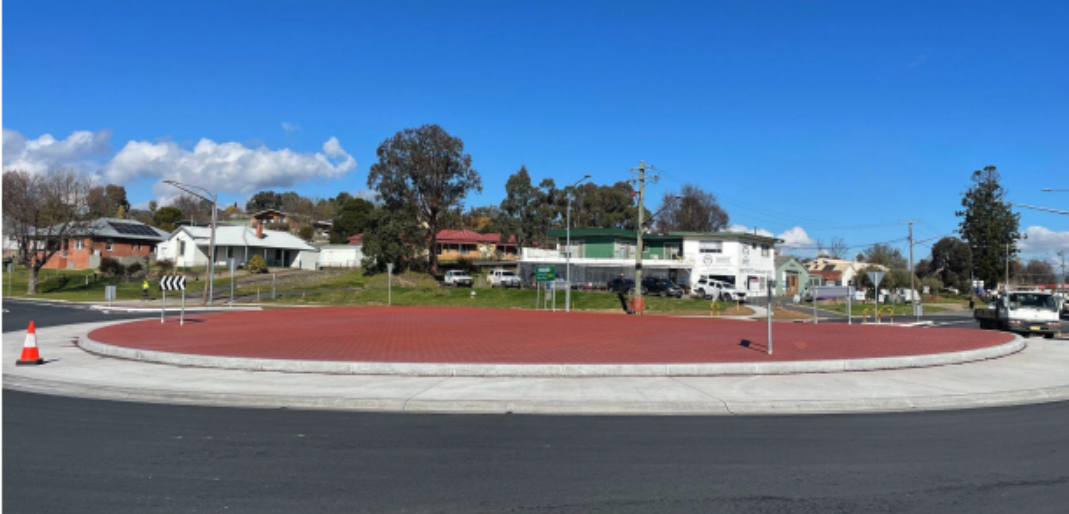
641, 182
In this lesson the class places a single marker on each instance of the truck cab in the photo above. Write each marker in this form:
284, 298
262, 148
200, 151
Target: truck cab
1023, 312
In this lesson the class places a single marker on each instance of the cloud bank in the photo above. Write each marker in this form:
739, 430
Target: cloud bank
48, 153
220, 167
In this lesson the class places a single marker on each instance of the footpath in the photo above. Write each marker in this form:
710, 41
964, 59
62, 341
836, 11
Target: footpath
1038, 373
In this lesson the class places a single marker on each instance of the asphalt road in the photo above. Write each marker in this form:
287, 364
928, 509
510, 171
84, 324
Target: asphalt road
73, 455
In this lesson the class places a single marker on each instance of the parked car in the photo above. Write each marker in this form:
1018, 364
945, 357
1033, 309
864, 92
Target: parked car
503, 278
662, 287
712, 289
623, 286
457, 278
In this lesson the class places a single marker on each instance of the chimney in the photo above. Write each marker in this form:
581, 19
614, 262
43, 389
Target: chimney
259, 229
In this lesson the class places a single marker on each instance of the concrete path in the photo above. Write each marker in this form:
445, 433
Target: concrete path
1040, 373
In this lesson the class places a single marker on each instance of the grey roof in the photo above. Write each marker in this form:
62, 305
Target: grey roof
120, 229
783, 259
245, 236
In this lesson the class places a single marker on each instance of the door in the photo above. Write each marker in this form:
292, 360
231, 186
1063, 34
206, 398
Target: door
792, 285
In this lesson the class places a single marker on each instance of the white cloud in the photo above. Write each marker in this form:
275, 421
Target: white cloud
1044, 240
748, 230
290, 127
795, 238
226, 167
48, 153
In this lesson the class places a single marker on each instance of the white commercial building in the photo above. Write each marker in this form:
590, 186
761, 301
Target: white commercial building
599, 255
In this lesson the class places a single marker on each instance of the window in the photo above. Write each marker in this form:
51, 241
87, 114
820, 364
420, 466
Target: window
79, 244
764, 250
109, 245
711, 247
671, 251
182, 248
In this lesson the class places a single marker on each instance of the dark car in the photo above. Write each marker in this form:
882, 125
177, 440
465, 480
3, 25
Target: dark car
623, 286
662, 287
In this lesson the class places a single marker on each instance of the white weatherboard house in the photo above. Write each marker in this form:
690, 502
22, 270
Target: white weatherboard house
188, 246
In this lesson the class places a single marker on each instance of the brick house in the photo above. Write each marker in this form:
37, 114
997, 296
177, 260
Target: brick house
128, 241
467, 244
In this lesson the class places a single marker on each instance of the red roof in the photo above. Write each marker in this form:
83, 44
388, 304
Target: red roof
454, 236
469, 236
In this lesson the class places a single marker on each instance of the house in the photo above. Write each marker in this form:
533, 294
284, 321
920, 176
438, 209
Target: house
189, 246
600, 254
837, 272
466, 244
128, 241
270, 218
791, 276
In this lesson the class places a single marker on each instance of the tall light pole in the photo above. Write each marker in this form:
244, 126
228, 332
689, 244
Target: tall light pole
210, 291
568, 266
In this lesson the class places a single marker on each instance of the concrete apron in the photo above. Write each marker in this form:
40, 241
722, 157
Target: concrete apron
1036, 374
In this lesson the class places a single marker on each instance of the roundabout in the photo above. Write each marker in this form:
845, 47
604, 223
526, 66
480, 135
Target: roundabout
438, 341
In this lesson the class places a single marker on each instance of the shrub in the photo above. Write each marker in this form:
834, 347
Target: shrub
306, 232
166, 266
256, 264
133, 269
110, 266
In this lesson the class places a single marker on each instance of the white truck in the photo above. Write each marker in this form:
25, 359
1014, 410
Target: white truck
713, 289
457, 278
1024, 312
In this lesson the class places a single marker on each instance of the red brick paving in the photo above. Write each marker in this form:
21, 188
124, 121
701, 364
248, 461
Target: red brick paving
468, 335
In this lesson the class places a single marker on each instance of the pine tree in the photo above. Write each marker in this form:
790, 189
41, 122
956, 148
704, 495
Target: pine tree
988, 225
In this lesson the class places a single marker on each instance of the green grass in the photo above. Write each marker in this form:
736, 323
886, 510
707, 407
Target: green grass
82, 286
427, 292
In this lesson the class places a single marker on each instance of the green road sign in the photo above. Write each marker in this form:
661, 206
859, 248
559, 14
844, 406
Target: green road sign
545, 273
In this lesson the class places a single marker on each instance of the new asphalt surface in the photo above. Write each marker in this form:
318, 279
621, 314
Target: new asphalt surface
74, 455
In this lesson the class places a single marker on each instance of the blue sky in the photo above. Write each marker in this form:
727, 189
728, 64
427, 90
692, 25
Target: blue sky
841, 118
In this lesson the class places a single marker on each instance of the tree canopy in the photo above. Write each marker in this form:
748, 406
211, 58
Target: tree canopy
350, 218
696, 210
988, 225
885, 255
165, 217
420, 175
951, 261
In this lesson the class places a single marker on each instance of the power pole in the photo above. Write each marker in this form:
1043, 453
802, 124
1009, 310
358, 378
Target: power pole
912, 273
1062, 283
641, 180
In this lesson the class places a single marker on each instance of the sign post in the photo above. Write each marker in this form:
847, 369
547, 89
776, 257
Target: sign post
544, 276
389, 283
233, 263
109, 294
771, 284
10, 276
876, 277
173, 283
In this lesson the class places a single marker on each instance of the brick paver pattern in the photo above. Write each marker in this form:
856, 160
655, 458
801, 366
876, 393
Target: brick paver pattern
471, 335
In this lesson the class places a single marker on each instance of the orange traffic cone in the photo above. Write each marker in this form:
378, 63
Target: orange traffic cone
30, 356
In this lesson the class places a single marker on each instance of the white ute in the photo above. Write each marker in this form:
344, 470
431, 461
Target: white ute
717, 290
503, 278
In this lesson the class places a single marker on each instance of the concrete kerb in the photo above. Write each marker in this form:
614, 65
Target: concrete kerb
520, 406
120, 308
552, 370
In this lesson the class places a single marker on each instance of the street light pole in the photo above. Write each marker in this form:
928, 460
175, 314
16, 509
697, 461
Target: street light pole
210, 291
568, 266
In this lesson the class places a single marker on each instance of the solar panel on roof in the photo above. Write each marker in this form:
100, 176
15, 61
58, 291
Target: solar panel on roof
133, 229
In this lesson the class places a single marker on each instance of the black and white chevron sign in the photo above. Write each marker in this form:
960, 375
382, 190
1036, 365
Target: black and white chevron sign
173, 283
